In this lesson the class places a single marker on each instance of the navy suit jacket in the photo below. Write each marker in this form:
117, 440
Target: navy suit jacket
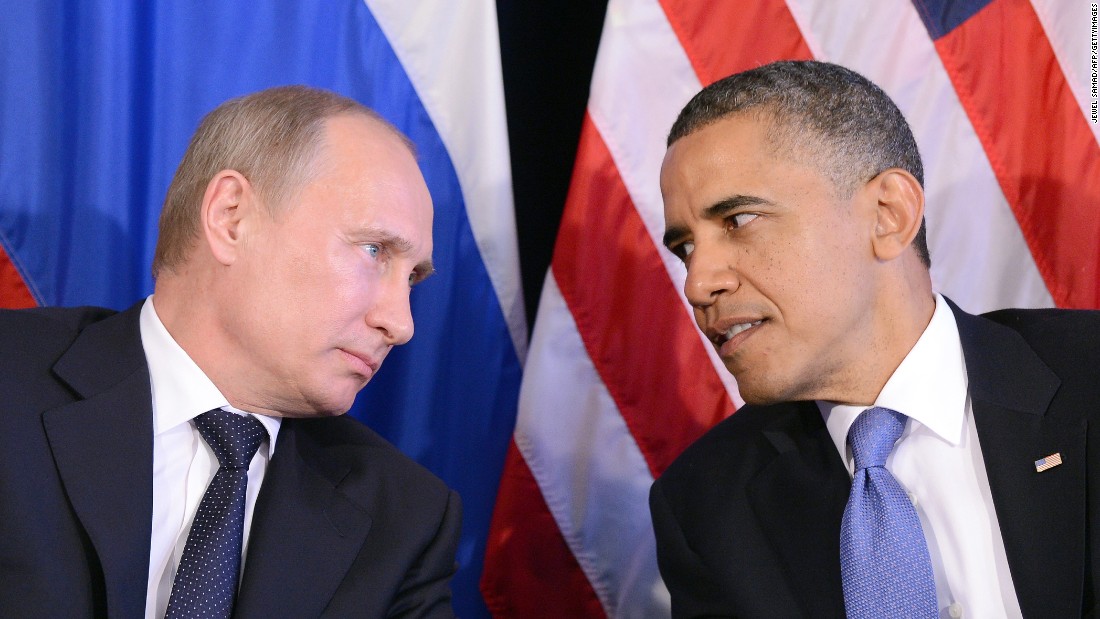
748, 518
344, 525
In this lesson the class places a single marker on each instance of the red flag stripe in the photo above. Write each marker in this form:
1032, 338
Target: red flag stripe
14, 293
980, 258
1039, 145
635, 330
1072, 46
722, 38
529, 570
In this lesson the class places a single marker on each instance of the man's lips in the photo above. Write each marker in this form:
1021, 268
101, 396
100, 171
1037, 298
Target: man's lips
364, 364
728, 334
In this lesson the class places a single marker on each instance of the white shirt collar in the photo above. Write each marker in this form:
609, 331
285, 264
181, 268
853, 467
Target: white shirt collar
929, 387
182, 391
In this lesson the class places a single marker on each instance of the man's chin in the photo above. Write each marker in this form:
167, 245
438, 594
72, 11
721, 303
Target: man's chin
316, 413
758, 391
328, 404
758, 399
770, 389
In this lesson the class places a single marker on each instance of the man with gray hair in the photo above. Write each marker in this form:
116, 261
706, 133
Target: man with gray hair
897, 456
188, 457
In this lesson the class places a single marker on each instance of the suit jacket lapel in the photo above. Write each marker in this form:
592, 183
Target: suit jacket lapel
799, 498
305, 533
1040, 514
103, 447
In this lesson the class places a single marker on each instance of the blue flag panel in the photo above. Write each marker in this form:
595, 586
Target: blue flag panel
99, 101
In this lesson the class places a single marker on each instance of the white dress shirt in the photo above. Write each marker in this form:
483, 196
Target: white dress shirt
183, 464
938, 461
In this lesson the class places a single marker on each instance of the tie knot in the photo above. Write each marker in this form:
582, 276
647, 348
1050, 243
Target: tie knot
873, 435
233, 438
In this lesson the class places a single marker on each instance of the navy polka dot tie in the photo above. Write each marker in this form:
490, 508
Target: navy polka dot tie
884, 561
206, 581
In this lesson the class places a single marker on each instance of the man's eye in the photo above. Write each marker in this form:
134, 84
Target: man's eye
683, 250
372, 250
741, 219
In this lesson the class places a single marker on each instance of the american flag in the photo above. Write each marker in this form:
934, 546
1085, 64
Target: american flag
1048, 462
618, 380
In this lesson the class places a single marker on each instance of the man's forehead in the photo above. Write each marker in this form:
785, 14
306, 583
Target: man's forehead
737, 153
739, 133
369, 181
363, 137
712, 159
365, 158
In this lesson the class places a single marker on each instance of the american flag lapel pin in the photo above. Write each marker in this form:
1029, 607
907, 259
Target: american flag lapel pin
1048, 462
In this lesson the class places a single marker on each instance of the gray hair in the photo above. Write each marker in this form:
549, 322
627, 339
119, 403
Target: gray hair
271, 137
832, 110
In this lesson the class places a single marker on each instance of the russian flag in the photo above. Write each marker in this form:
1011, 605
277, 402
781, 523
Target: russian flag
98, 101
998, 94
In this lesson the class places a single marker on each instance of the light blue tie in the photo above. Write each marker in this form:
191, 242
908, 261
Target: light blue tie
884, 562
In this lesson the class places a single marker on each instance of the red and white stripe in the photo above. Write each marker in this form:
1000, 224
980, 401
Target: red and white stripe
618, 380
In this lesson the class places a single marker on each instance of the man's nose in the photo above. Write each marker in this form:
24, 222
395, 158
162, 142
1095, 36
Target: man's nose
710, 274
392, 313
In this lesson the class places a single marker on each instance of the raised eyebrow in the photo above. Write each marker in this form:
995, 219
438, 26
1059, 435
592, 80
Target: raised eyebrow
723, 207
425, 270
715, 211
673, 234
388, 239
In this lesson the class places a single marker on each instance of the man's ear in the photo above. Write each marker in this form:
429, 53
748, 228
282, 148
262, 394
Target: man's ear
899, 211
226, 203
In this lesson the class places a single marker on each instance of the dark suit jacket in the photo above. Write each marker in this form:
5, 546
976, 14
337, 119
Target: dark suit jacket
344, 526
748, 518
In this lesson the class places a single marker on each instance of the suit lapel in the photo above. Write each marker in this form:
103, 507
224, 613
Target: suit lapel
1040, 514
103, 447
305, 533
799, 498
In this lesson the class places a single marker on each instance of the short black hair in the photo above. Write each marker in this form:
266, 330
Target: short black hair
827, 106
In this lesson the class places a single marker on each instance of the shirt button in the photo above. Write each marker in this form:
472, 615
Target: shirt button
912, 498
955, 611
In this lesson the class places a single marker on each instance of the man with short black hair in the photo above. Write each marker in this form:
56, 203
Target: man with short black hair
188, 457
896, 456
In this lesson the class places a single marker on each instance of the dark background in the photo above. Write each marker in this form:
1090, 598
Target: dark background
547, 49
